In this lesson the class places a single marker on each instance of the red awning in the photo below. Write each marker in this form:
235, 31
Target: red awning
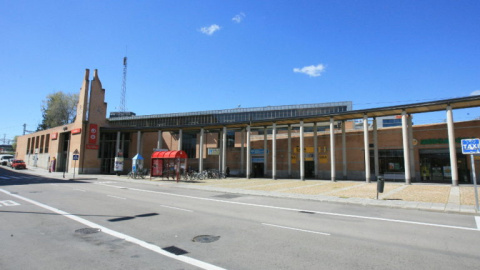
169, 154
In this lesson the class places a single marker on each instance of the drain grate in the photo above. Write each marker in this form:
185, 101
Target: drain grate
175, 250
205, 238
87, 230
307, 212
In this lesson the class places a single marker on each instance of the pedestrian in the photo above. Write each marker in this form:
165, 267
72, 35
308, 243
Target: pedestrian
52, 165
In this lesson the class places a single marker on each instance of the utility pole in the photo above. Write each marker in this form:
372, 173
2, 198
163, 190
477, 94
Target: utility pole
25, 129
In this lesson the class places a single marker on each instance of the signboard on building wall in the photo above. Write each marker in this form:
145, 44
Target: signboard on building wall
258, 152
93, 133
54, 136
92, 146
76, 131
213, 151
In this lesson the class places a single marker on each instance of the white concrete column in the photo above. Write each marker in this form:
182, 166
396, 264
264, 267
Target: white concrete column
289, 151
139, 141
265, 151
315, 149
180, 139
249, 155
367, 149
220, 147
344, 151
224, 150
375, 148
451, 146
302, 152
200, 151
332, 150
117, 143
242, 152
274, 151
159, 140
413, 175
406, 149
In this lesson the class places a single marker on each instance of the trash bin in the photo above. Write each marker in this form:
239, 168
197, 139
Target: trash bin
380, 184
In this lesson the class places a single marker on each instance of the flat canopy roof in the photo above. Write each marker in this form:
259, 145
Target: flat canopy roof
422, 107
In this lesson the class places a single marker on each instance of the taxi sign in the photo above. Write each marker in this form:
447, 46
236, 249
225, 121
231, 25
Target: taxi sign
470, 146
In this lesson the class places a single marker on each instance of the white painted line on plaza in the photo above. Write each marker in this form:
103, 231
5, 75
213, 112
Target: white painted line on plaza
117, 197
477, 220
303, 210
295, 229
119, 235
176, 208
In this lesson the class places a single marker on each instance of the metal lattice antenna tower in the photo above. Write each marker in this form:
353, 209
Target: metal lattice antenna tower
123, 107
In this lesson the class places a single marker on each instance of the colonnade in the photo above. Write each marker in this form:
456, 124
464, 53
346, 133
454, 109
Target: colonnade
407, 144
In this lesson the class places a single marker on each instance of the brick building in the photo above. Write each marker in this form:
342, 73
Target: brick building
291, 141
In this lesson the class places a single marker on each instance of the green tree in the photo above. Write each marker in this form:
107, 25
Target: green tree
58, 109
14, 144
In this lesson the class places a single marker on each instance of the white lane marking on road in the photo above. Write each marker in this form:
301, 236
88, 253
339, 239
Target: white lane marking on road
117, 197
295, 229
120, 235
176, 208
477, 220
8, 203
82, 190
303, 210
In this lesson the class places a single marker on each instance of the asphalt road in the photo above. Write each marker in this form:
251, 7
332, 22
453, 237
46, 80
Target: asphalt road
91, 224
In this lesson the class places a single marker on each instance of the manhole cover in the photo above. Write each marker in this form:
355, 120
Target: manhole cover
87, 230
205, 238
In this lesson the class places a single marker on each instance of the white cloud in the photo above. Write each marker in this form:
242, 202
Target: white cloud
210, 29
239, 17
475, 93
312, 71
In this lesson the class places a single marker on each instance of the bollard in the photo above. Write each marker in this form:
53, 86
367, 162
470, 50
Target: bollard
380, 185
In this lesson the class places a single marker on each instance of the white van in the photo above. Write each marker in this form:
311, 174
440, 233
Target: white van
4, 159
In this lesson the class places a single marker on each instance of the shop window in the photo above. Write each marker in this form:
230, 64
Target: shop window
42, 142
47, 143
390, 161
28, 146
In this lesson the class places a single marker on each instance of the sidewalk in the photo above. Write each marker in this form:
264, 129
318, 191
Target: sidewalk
432, 197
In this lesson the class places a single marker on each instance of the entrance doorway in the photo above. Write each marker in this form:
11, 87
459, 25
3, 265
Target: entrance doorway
63, 153
258, 170
309, 169
435, 166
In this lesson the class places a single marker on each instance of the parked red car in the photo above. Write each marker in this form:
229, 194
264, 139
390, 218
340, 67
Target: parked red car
18, 164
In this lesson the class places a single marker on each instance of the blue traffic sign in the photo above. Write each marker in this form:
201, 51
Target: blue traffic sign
75, 157
470, 146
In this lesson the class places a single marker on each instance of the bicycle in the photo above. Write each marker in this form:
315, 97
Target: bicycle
138, 174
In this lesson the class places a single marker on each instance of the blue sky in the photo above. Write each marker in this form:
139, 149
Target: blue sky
208, 55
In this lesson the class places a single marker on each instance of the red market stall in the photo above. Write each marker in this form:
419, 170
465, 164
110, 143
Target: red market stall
168, 163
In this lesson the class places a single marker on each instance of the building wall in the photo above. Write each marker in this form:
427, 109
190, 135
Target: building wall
424, 136
77, 131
